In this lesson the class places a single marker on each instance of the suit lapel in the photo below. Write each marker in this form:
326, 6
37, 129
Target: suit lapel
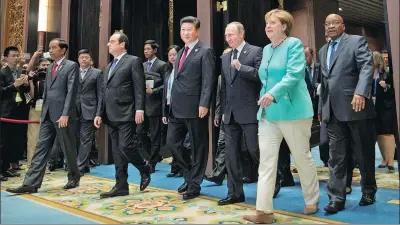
323, 59
59, 68
189, 57
154, 66
338, 51
243, 55
119, 63
89, 72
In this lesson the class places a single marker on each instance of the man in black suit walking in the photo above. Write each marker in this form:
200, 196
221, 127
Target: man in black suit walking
58, 118
149, 132
89, 90
121, 105
190, 101
347, 108
240, 89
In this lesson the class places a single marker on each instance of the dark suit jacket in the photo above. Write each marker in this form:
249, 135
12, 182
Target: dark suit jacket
240, 90
350, 74
312, 85
8, 92
385, 98
59, 95
153, 101
194, 83
124, 92
89, 91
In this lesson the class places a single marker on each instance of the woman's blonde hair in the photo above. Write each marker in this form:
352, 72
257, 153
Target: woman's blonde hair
379, 63
284, 17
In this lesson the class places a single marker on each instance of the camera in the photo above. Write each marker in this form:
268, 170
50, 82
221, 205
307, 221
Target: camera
41, 73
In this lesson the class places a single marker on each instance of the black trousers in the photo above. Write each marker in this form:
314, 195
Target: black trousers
284, 164
85, 131
149, 135
125, 150
234, 133
184, 151
219, 167
198, 134
48, 132
345, 137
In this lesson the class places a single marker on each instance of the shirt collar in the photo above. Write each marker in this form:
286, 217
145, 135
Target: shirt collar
60, 61
84, 69
120, 56
241, 46
152, 61
337, 39
191, 46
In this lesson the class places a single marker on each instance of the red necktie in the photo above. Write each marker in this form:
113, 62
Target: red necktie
183, 58
54, 70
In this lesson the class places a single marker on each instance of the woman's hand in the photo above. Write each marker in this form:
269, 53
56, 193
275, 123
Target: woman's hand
265, 100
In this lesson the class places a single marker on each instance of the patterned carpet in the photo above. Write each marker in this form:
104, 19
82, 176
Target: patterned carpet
154, 206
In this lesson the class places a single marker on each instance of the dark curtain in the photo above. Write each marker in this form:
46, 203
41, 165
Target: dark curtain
32, 26
141, 21
84, 28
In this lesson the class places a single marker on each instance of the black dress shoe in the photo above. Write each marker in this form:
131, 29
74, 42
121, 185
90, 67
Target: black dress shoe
145, 179
189, 196
277, 189
367, 200
22, 190
113, 193
3, 178
183, 188
247, 180
86, 170
334, 207
231, 200
178, 175
71, 184
214, 179
10, 173
288, 184
171, 174
52, 167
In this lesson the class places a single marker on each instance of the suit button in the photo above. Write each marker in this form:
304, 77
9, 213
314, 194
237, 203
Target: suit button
285, 97
232, 85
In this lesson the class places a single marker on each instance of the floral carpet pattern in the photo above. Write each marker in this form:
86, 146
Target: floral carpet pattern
383, 179
154, 206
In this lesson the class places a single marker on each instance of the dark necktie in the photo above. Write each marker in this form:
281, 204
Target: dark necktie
235, 52
183, 58
148, 66
333, 53
112, 67
309, 69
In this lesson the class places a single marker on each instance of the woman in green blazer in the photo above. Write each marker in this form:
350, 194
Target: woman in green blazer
285, 112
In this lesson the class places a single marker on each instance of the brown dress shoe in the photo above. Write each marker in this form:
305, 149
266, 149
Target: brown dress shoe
260, 218
310, 209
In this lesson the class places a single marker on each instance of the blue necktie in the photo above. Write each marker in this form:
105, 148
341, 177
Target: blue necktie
112, 67
148, 66
333, 53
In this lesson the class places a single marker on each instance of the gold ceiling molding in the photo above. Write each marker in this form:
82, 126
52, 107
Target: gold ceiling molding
281, 5
15, 23
101, 12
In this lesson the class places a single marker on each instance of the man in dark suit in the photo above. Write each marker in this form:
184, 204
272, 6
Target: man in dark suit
89, 91
149, 132
240, 89
121, 105
347, 108
190, 101
13, 87
58, 118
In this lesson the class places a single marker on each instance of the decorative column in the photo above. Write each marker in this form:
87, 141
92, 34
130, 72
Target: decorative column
205, 14
13, 23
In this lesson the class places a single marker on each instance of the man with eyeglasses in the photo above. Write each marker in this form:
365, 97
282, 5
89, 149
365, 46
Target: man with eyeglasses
346, 107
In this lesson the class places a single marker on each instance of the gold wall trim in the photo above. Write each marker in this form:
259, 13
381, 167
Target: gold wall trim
15, 23
171, 22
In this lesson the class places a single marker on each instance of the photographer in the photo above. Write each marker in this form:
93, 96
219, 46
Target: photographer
36, 81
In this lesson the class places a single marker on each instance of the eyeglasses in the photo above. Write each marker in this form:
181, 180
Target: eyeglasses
333, 23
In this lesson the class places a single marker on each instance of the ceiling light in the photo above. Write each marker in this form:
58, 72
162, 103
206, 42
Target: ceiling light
340, 9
